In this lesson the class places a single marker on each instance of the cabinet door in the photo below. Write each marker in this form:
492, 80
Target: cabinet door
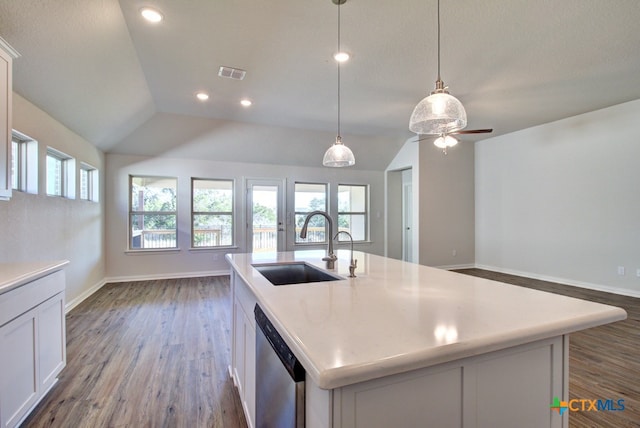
19, 375
239, 348
51, 329
250, 368
5, 125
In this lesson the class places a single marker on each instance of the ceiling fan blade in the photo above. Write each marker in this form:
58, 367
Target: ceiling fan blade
461, 132
472, 131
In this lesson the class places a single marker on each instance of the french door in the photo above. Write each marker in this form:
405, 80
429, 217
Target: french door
266, 229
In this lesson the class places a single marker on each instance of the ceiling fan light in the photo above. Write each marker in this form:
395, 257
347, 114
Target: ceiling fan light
440, 143
450, 141
439, 113
338, 155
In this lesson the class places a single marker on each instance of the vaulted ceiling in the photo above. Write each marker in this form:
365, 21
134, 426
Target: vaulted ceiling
128, 86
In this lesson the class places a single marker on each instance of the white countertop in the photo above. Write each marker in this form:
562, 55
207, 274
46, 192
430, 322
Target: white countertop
13, 275
398, 316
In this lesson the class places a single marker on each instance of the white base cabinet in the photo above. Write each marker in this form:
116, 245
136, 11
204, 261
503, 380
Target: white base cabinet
32, 345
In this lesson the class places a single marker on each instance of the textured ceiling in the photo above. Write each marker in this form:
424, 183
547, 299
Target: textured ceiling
128, 87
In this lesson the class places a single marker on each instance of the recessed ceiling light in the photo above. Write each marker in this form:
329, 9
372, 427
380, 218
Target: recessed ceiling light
246, 102
341, 56
202, 96
151, 15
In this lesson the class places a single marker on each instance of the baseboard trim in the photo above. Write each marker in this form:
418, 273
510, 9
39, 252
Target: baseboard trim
75, 302
571, 282
453, 267
167, 276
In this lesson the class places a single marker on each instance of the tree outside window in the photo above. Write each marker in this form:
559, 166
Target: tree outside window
310, 197
212, 213
153, 212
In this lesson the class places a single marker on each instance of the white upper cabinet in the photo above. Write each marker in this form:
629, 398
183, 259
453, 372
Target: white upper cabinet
7, 54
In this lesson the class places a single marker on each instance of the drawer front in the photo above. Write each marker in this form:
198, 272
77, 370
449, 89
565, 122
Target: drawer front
21, 299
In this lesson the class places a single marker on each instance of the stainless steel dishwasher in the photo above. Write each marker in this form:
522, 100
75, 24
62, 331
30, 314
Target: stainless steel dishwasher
279, 379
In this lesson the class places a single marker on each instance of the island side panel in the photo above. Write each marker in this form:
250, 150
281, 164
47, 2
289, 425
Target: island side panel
244, 345
510, 387
517, 386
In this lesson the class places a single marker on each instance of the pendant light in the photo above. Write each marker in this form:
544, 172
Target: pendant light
440, 112
338, 155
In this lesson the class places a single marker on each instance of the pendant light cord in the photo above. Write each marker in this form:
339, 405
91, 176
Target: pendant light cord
338, 71
439, 40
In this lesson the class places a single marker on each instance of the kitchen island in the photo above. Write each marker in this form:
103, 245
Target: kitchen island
409, 345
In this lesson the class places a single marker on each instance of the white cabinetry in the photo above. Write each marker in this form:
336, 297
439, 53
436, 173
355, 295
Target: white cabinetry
32, 344
506, 388
6, 58
243, 358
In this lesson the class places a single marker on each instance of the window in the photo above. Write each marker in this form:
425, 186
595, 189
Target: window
352, 211
211, 213
24, 163
89, 184
153, 212
310, 197
60, 174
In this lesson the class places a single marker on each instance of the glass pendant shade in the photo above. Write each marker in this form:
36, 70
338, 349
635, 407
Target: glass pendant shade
338, 155
439, 113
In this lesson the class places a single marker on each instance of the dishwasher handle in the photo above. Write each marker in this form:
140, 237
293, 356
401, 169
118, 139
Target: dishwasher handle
288, 359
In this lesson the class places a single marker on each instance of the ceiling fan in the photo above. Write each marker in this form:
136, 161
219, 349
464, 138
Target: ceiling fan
446, 140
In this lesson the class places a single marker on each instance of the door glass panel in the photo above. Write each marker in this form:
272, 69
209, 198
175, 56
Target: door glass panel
265, 217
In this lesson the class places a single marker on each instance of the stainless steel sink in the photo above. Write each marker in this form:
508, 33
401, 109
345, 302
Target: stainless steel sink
293, 273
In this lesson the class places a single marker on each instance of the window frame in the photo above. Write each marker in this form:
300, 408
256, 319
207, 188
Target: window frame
133, 213
67, 173
365, 213
93, 187
218, 213
24, 163
296, 237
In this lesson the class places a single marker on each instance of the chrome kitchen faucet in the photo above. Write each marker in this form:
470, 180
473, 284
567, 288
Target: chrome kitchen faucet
331, 257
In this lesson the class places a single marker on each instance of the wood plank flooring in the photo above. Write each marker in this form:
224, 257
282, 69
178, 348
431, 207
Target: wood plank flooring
604, 362
155, 354
147, 354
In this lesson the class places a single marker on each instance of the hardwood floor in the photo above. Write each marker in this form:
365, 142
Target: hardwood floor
604, 362
155, 354
147, 354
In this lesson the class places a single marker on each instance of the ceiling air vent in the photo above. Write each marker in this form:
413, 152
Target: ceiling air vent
231, 73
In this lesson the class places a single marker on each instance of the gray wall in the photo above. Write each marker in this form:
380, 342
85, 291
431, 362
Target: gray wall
443, 203
405, 159
561, 201
447, 205
123, 265
40, 227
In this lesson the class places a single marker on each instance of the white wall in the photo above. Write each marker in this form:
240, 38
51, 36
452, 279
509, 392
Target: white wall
561, 201
123, 265
40, 227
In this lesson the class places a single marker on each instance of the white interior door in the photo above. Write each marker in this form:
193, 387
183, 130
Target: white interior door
266, 228
407, 220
